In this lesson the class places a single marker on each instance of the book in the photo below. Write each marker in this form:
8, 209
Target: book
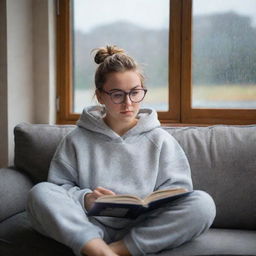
130, 206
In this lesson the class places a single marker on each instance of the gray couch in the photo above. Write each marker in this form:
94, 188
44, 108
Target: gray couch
223, 163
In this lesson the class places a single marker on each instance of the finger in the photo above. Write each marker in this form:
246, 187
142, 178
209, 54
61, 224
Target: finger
105, 191
97, 193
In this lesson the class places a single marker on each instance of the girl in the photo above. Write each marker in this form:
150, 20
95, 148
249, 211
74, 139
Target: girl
118, 148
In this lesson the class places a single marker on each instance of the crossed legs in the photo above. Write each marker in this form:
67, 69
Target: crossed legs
55, 214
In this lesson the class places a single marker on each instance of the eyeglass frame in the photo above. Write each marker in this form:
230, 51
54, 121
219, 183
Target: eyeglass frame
125, 93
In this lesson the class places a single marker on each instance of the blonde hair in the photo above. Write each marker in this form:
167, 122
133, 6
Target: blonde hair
113, 59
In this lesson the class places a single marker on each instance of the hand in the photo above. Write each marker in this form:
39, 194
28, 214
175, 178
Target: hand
96, 193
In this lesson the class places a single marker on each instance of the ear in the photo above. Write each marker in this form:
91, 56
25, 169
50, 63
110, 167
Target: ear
99, 96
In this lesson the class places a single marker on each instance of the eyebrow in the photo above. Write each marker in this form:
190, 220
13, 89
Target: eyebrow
116, 89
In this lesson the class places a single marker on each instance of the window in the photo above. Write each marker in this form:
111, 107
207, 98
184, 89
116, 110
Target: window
199, 58
128, 26
224, 55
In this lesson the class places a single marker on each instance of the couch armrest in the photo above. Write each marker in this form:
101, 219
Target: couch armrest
14, 188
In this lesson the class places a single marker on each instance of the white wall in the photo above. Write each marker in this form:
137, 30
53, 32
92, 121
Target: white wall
27, 68
44, 60
19, 66
3, 86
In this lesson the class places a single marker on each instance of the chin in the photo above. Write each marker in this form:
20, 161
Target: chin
128, 117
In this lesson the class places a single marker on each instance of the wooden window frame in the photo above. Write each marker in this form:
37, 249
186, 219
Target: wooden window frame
180, 91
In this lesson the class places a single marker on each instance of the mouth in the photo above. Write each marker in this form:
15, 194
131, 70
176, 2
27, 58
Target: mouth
125, 112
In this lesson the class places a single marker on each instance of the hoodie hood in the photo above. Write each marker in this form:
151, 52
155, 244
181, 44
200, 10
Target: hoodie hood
92, 119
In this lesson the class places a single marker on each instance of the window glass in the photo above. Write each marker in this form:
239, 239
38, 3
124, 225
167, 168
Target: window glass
141, 27
224, 54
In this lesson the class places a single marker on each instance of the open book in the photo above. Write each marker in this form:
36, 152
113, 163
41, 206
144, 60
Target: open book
130, 206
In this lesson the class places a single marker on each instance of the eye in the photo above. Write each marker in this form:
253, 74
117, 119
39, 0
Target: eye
117, 95
134, 92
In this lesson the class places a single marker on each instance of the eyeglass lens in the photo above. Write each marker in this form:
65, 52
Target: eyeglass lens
134, 95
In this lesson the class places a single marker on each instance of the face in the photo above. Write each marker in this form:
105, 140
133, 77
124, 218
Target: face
127, 111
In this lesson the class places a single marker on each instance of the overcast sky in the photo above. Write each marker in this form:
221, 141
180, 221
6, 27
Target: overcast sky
149, 13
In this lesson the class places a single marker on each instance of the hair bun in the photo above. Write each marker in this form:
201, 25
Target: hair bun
104, 52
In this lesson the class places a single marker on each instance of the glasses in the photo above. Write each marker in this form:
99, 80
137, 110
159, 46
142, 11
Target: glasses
119, 96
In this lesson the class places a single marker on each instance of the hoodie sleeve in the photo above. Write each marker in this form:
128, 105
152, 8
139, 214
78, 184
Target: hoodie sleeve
174, 170
63, 171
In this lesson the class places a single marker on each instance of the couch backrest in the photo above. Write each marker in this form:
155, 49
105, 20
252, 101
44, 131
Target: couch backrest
35, 145
223, 163
222, 160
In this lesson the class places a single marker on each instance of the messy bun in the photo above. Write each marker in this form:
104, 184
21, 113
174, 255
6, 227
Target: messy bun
113, 59
104, 52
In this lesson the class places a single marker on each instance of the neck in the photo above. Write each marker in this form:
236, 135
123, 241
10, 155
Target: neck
120, 128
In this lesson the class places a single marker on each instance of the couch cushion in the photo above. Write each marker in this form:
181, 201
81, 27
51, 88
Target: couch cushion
14, 187
223, 163
18, 238
218, 242
35, 145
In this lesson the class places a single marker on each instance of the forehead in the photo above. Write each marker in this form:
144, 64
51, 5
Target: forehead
122, 80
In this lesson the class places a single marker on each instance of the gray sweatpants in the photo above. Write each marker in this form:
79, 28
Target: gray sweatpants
55, 214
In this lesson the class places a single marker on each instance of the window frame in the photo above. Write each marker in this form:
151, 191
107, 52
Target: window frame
180, 91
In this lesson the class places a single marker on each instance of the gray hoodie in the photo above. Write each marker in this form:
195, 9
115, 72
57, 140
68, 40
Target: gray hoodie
143, 160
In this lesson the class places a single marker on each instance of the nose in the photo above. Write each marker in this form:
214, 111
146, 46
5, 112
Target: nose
127, 100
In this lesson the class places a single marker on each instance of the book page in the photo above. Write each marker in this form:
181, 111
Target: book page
160, 194
120, 199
